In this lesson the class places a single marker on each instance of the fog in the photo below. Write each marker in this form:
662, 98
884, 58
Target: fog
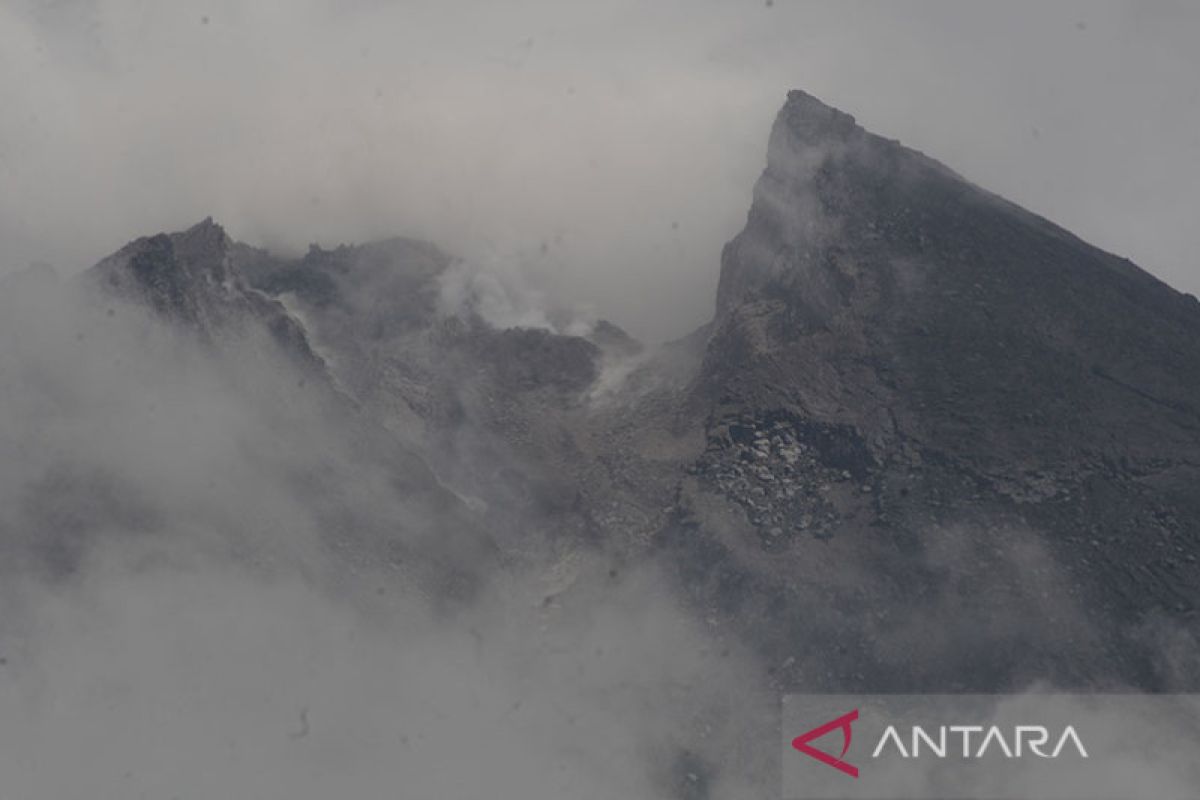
604, 150
206, 681
210, 589
221, 577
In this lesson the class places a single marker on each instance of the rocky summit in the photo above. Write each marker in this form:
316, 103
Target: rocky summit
929, 441
950, 443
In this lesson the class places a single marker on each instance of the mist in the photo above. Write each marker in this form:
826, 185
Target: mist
212, 589
208, 681
606, 152
349, 560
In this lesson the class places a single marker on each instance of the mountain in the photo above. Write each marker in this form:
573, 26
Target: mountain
929, 441
190, 279
949, 444
198, 284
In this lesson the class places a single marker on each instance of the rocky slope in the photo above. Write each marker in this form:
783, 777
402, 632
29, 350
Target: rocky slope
198, 283
929, 440
949, 444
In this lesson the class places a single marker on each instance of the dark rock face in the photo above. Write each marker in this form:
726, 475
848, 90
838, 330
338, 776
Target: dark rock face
921, 385
492, 412
206, 287
523, 359
611, 339
381, 284
191, 278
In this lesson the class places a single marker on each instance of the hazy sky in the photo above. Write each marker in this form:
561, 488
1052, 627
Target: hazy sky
624, 137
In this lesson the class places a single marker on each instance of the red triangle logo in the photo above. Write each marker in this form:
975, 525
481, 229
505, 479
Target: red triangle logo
843, 722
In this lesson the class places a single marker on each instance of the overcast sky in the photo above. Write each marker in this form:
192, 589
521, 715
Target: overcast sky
623, 136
